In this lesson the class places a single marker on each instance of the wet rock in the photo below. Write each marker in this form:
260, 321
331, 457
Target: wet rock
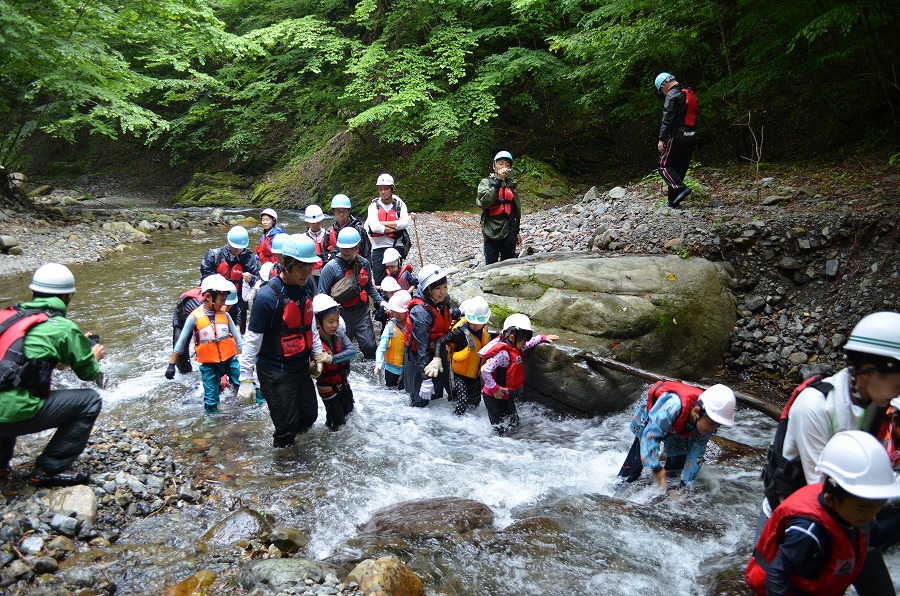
616, 192
244, 523
443, 516
45, 565
61, 544
274, 575
386, 576
80, 499
193, 585
31, 545
64, 524
81, 577
289, 540
16, 570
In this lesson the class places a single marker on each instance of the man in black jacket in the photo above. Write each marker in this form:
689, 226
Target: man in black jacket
677, 135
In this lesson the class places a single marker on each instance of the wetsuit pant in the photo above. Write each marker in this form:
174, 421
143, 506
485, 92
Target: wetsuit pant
673, 164
72, 413
212, 376
499, 250
291, 397
502, 412
632, 468
467, 392
359, 326
378, 269
338, 406
393, 380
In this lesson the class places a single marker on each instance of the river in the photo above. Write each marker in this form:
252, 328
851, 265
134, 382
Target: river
604, 538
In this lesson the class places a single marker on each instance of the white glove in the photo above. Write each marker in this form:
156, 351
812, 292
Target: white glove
323, 357
434, 368
385, 306
247, 393
315, 369
426, 390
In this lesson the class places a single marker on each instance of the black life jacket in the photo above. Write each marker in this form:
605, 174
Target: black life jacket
16, 370
291, 339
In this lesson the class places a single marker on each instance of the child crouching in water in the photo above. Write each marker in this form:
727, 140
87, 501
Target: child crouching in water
389, 356
465, 340
503, 371
333, 384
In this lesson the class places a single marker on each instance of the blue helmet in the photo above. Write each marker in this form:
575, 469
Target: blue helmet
348, 238
238, 237
340, 202
278, 241
662, 78
504, 155
302, 248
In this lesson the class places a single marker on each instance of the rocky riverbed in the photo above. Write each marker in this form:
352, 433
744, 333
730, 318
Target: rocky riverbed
808, 262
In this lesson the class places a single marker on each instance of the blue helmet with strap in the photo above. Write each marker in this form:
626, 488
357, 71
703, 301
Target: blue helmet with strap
662, 78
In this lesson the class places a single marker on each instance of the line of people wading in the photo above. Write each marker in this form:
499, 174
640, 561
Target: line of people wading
287, 313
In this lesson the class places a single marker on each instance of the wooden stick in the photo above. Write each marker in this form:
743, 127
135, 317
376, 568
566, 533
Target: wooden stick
751, 401
418, 244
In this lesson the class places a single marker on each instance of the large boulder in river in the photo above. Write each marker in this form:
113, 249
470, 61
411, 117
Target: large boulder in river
663, 313
438, 517
243, 524
386, 576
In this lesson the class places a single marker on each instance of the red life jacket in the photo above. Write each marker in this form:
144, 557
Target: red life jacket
688, 395
848, 553
504, 204
293, 336
402, 279
233, 273
513, 376
334, 375
17, 370
782, 476
690, 100
193, 293
440, 325
363, 278
331, 235
264, 249
321, 249
392, 213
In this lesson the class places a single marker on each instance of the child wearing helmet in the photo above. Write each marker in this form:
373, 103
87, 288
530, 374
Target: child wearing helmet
216, 340
282, 339
501, 210
388, 288
464, 341
386, 220
403, 273
236, 263
269, 221
314, 216
389, 356
348, 279
333, 383
815, 542
430, 318
685, 418
503, 371
340, 208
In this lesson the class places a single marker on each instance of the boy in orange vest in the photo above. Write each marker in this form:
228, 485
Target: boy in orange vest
216, 340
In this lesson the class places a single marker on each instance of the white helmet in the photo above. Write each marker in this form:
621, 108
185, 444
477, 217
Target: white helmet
323, 302
385, 180
389, 284
313, 214
430, 274
270, 212
216, 283
519, 321
54, 279
718, 403
266, 271
399, 302
858, 463
390, 256
878, 334
476, 310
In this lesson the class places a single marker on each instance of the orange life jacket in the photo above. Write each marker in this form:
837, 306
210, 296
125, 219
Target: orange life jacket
513, 376
504, 204
467, 362
844, 564
440, 325
213, 342
688, 394
394, 353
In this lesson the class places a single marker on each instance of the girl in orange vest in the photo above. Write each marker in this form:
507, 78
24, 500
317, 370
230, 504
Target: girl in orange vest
333, 384
389, 356
503, 371
465, 340
216, 340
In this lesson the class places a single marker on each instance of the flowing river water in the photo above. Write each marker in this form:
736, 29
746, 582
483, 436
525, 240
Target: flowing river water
598, 537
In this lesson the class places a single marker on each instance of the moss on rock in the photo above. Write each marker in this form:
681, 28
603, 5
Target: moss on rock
212, 190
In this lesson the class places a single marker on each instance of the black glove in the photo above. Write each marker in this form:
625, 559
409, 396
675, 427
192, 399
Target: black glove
170, 372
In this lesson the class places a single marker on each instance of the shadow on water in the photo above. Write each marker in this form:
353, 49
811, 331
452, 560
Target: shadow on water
561, 523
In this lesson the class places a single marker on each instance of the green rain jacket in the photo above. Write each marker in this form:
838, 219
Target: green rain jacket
500, 226
56, 339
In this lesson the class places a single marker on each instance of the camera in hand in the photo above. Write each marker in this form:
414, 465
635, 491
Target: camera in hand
95, 339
